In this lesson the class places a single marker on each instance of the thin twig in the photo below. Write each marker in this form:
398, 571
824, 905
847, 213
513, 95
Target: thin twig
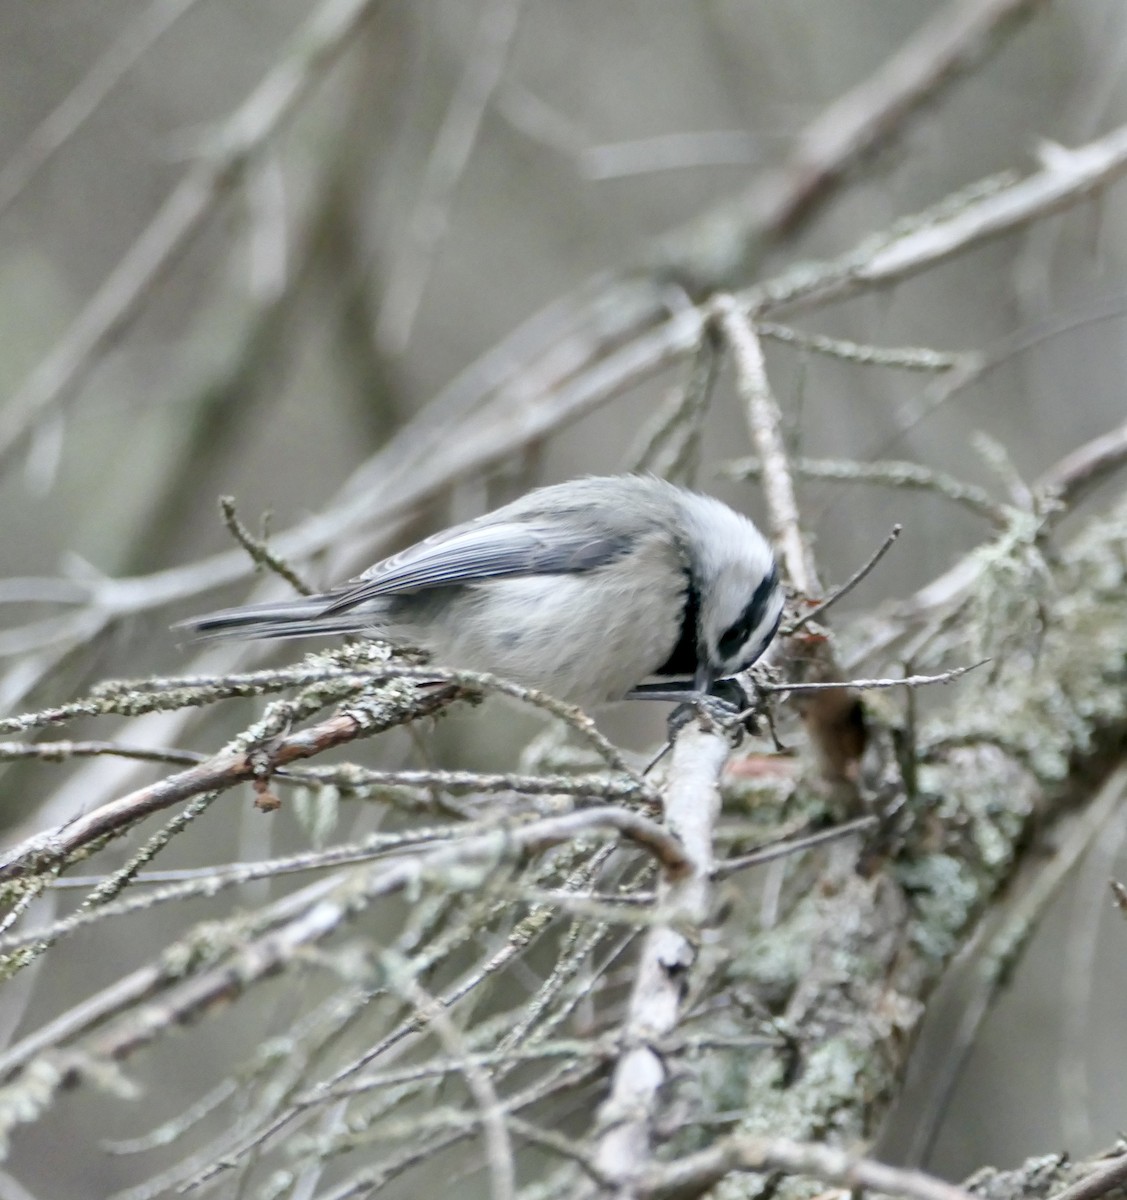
848, 585
729, 866
910, 358
260, 553
890, 473
910, 681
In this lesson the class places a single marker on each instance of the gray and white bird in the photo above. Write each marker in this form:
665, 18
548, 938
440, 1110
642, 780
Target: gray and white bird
594, 590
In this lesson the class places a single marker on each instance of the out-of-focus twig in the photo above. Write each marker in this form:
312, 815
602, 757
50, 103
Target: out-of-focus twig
72, 112
1070, 478
896, 474
181, 217
1070, 176
907, 358
713, 252
410, 269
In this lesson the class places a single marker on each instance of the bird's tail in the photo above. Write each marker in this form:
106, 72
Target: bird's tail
305, 617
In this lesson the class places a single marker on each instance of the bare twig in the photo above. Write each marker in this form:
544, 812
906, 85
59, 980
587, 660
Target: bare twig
848, 585
897, 474
909, 681
908, 358
260, 553
729, 866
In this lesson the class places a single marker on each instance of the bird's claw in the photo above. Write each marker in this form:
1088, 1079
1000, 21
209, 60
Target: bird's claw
725, 708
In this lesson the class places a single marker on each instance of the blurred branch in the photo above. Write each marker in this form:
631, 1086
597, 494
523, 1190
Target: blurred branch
894, 474
1071, 478
1104, 1180
1066, 177
906, 358
722, 249
84, 99
411, 267
115, 305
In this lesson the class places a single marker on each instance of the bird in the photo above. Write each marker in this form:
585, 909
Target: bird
594, 590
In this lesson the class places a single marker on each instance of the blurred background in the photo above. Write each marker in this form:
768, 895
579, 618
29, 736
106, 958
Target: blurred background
450, 170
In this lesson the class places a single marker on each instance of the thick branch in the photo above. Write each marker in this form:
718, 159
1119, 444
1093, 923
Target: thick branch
628, 1115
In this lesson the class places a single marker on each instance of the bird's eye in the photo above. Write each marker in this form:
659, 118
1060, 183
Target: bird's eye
736, 635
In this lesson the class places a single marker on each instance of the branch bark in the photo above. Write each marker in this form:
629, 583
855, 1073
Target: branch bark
628, 1115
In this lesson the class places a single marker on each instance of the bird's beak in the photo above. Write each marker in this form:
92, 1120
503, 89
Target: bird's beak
704, 679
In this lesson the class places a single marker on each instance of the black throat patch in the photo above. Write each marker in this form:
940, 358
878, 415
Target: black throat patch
683, 659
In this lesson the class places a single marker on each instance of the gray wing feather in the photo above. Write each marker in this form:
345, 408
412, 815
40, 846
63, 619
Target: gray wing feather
475, 552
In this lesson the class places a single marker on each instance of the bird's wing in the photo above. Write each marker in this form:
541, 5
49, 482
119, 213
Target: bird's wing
489, 550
